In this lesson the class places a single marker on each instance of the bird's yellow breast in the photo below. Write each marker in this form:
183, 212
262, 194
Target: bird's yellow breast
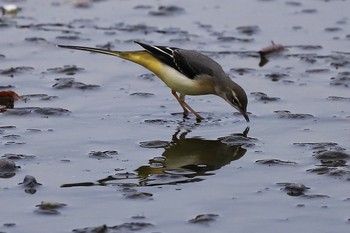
171, 77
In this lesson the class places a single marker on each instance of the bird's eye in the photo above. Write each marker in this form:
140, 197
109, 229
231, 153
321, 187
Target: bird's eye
236, 101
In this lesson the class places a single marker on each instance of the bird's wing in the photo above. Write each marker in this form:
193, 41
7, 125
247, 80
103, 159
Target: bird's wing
188, 62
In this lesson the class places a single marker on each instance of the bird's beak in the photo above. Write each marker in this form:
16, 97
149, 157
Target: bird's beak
246, 117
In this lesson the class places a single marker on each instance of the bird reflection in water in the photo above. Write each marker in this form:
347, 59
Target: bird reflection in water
186, 159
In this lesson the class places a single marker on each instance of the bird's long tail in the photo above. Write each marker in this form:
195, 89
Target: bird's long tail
141, 57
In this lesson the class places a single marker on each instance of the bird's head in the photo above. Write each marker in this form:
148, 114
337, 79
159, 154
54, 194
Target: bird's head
234, 94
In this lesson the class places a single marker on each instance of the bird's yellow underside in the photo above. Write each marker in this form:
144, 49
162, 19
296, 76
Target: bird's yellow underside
171, 77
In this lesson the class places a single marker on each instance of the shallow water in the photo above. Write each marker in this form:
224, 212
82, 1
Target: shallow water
106, 142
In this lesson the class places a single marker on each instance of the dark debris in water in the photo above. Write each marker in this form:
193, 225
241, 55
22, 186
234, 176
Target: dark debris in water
317, 71
159, 121
12, 136
142, 28
7, 127
17, 156
262, 97
315, 196
204, 219
7, 168
342, 79
67, 70
6, 87
238, 140
320, 146
242, 71
30, 184
125, 227
141, 6
36, 39
275, 162
155, 144
333, 159
38, 96
44, 111
8, 99
320, 170
10, 224
332, 155
333, 163
103, 154
16, 70
167, 11
276, 76
248, 30
266, 52
64, 83
50, 205
146, 29
338, 98
234, 39
309, 11
340, 62
142, 94
147, 76
288, 115
294, 189
138, 195
49, 208
307, 47
70, 37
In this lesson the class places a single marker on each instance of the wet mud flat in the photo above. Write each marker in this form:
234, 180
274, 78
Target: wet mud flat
97, 144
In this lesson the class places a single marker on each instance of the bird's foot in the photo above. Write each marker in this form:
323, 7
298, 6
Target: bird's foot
185, 114
199, 119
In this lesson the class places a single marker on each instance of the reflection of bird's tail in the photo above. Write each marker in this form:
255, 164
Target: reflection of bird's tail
142, 57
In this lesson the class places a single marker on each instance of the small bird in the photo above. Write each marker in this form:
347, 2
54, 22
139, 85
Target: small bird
185, 72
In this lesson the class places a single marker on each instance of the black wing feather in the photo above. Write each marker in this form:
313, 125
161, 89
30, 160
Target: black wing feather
191, 63
162, 53
187, 62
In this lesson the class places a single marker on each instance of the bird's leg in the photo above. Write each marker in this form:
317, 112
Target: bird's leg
185, 106
180, 102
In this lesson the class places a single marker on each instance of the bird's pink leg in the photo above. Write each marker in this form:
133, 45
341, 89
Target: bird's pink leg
185, 106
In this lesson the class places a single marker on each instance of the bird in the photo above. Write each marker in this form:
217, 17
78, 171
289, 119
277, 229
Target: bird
185, 72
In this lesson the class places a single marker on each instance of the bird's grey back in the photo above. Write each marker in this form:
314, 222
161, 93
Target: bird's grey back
192, 64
